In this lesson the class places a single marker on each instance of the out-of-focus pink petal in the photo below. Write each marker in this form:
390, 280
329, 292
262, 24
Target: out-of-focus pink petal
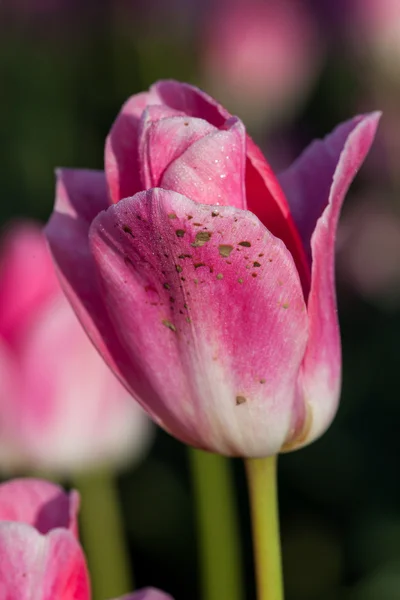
43, 567
72, 411
211, 170
317, 185
146, 594
122, 151
27, 278
39, 503
80, 195
165, 140
266, 199
209, 305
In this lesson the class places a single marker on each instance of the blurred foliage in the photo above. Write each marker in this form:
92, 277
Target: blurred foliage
64, 73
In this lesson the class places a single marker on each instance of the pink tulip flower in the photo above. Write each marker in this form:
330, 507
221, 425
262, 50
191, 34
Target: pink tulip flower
60, 407
261, 57
40, 555
211, 293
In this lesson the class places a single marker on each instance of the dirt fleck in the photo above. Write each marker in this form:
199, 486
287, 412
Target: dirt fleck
254, 274
225, 250
285, 305
185, 256
190, 217
202, 237
263, 380
180, 232
168, 324
127, 230
166, 286
220, 276
245, 244
240, 400
172, 216
256, 264
261, 254
240, 280
178, 268
198, 265
171, 299
198, 224
215, 213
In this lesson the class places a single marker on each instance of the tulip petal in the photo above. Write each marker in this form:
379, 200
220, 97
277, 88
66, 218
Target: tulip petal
209, 305
27, 278
38, 567
265, 197
147, 594
190, 100
211, 170
80, 195
39, 503
317, 184
121, 151
165, 140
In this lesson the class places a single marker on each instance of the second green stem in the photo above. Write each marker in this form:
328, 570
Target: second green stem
217, 526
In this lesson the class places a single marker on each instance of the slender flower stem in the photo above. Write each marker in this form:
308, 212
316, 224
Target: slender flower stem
262, 482
103, 535
217, 526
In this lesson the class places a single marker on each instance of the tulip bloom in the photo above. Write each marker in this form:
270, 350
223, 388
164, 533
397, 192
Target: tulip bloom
211, 293
40, 555
60, 407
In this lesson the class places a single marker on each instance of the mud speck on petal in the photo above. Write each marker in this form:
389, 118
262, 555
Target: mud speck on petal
168, 324
240, 400
225, 250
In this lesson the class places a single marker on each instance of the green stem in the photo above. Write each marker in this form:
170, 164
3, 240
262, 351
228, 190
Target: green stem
217, 526
262, 482
102, 534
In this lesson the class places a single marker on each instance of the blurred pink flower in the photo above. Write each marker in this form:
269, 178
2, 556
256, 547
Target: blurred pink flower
40, 555
374, 27
221, 321
260, 58
60, 407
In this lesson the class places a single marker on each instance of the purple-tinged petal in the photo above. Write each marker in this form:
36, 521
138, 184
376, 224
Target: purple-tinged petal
334, 163
43, 567
165, 140
147, 594
211, 170
121, 150
39, 503
80, 196
209, 306
307, 182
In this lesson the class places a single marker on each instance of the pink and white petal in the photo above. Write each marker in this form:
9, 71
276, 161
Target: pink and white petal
211, 170
190, 100
146, 594
80, 195
27, 277
60, 368
41, 567
307, 182
165, 140
122, 147
210, 307
266, 199
39, 503
321, 369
